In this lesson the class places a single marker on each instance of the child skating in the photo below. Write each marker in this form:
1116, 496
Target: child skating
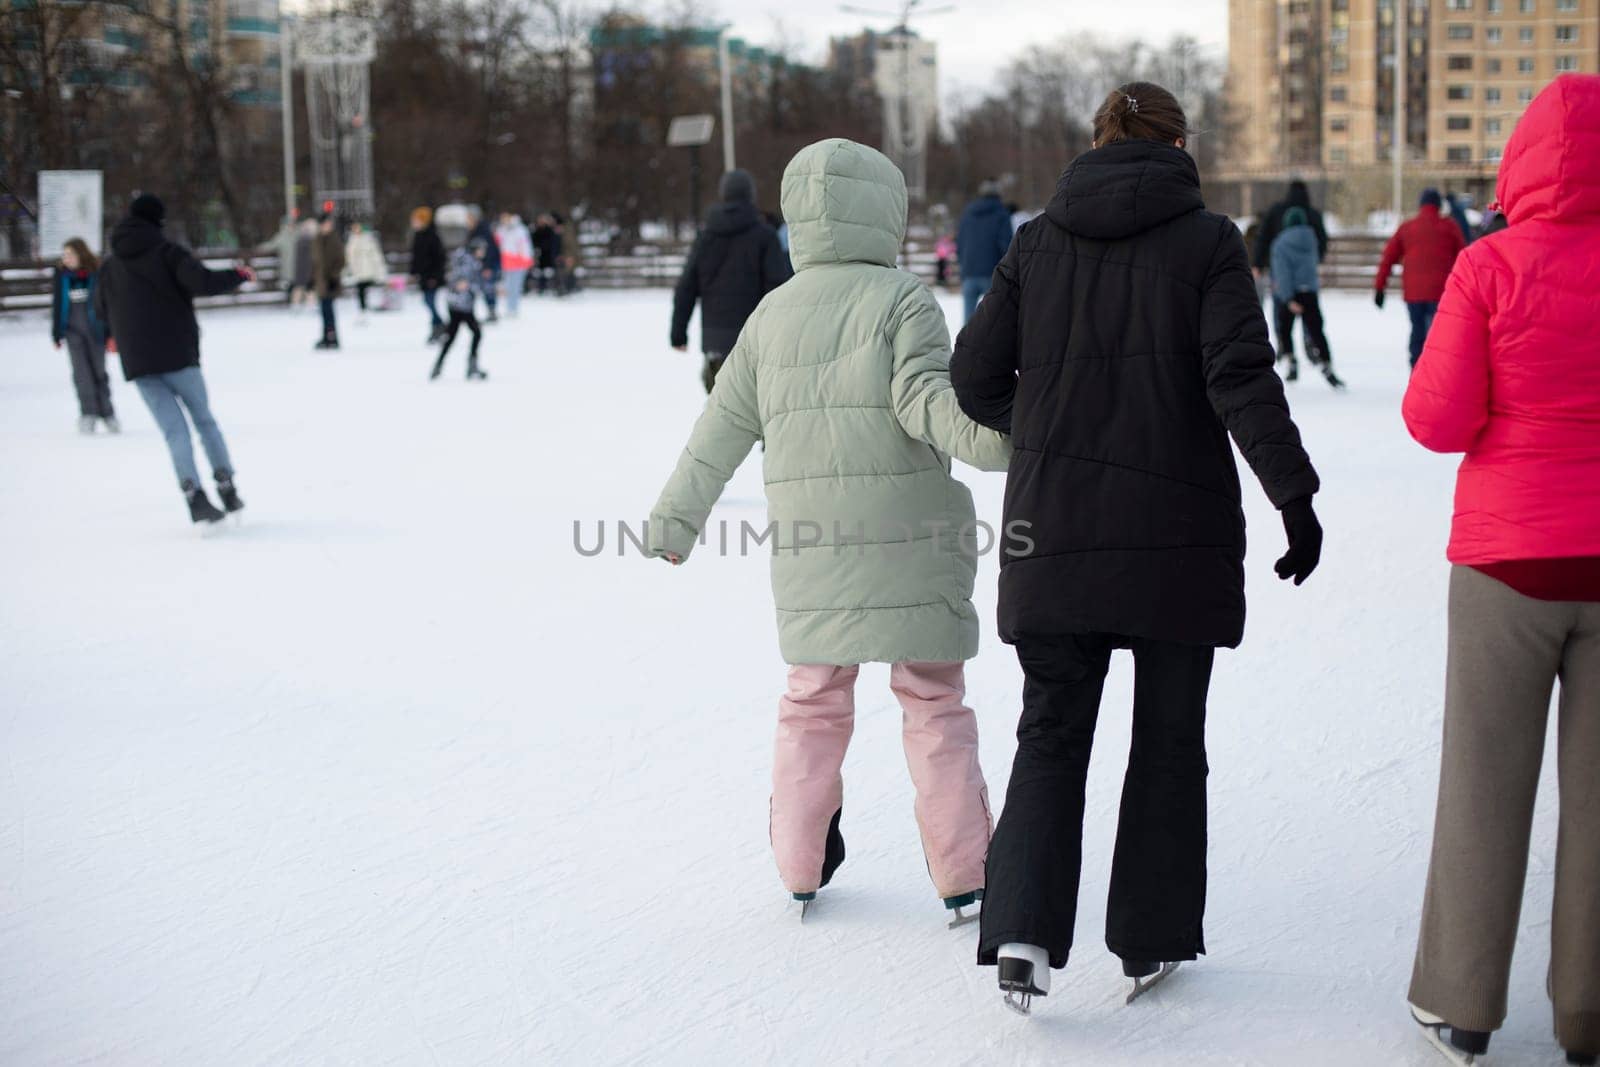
75, 323
843, 374
466, 281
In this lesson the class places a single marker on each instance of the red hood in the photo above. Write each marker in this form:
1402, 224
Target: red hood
1551, 168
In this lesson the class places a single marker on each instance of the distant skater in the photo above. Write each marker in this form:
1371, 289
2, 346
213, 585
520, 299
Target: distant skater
1295, 284
146, 299
467, 279
1425, 246
75, 323
327, 272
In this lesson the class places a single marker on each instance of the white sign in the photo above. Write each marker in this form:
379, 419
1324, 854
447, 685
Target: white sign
688, 131
69, 206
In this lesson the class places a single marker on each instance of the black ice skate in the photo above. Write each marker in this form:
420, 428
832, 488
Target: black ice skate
200, 507
832, 857
228, 494
1146, 976
1024, 972
1332, 378
1582, 1059
956, 903
1454, 1044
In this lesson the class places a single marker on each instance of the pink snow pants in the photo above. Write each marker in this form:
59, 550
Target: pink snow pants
815, 720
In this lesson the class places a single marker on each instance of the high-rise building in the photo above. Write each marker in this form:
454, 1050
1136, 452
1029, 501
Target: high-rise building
902, 69
1311, 82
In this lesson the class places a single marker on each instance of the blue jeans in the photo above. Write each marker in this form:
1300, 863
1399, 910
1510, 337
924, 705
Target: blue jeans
430, 297
491, 282
162, 394
972, 291
514, 280
1422, 312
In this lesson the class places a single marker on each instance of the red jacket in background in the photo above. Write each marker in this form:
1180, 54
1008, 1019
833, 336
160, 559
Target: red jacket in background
1425, 246
1511, 371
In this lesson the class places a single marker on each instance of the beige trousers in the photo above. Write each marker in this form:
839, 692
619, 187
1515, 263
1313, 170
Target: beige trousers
1506, 651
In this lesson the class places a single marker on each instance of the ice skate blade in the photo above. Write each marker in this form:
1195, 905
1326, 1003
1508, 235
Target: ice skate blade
1021, 1003
961, 919
1433, 1030
1141, 986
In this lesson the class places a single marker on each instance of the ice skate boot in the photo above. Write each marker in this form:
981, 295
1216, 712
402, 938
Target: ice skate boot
832, 857
86, 424
1455, 1044
200, 507
1024, 973
228, 494
1146, 975
111, 424
964, 900
1582, 1059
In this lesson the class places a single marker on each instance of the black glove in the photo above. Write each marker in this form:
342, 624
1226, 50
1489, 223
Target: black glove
1305, 541
1377, 298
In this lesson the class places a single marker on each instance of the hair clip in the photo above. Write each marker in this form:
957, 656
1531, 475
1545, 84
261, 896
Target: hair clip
1133, 105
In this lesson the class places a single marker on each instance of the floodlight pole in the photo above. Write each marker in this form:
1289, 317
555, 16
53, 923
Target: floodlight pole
1402, 33
694, 183
286, 102
727, 102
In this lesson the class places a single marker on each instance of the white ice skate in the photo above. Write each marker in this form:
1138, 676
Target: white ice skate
1146, 976
1024, 972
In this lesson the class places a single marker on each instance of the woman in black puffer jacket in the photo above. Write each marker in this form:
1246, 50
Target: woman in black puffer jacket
1120, 345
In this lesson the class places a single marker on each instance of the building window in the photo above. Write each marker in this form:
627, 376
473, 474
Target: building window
1566, 5
1459, 5
1494, 7
1566, 35
1491, 127
1524, 66
1463, 33
1340, 63
1492, 155
1524, 96
1566, 64
1458, 122
1459, 63
1338, 125
1491, 66
1493, 35
1525, 35
1459, 92
1491, 96
1338, 155
1525, 6
1339, 94
1458, 153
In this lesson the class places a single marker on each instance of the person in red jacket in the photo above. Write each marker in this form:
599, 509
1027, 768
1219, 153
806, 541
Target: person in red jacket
1511, 377
1425, 246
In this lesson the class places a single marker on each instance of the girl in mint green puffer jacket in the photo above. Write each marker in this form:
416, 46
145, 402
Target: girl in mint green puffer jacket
843, 374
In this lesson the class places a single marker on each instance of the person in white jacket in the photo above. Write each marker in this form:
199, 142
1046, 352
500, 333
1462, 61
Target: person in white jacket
516, 257
364, 262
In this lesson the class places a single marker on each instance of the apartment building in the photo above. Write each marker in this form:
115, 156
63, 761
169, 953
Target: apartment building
1311, 82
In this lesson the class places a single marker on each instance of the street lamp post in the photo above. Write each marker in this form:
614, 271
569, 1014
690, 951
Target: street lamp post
727, 100
1402, 33
286, 103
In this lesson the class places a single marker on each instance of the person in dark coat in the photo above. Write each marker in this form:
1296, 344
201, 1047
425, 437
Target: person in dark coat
146, 299
75, 323
428, 266
327, 268
981, 241
483, 231
735, 262
1120, 347
547, 253
1271, 226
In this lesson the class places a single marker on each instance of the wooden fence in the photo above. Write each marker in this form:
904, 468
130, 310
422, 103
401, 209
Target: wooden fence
24, 287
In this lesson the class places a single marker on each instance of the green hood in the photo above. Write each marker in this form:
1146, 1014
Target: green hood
844, 203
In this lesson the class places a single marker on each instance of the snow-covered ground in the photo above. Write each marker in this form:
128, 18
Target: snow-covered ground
392, 774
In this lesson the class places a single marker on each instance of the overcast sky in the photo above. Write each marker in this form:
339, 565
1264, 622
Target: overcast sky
979, 37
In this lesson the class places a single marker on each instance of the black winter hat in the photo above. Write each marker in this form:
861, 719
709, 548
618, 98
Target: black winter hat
738, 185
149, 207
1430, 198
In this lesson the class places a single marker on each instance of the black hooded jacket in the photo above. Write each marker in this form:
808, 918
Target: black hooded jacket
735, 262
1272, 225
146, 298
427, 257
1121, 344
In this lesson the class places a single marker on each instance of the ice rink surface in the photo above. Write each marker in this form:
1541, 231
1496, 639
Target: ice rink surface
391, 774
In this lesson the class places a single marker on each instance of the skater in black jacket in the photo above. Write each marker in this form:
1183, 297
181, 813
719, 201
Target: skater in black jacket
146, 299
1120, 346
735, 262
428, 266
